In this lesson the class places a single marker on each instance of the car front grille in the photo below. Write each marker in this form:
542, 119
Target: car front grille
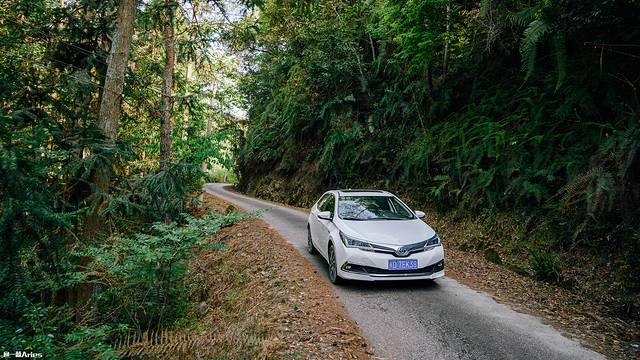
410, 249
373, 271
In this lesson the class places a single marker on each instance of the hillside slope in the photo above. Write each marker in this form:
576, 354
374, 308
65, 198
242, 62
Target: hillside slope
523, 115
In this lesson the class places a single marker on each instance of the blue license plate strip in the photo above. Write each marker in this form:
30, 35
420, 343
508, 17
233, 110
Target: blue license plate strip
405, 264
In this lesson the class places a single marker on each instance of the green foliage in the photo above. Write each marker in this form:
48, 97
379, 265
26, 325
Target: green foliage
533, 34
542, 21
602, 187
491, 155
485, 106
477, 138
221, 175
339, 153
545, 265
66, 191
140, 276
416, 27
138, 286
164, 193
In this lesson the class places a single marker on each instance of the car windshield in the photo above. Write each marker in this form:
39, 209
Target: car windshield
372, 208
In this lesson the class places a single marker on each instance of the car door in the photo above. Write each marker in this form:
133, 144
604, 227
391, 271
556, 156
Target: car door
324, 227
315, 226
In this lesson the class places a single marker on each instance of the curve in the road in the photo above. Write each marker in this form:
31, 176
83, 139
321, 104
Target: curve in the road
417, 320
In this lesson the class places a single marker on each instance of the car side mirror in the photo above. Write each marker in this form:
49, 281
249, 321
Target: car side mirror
325, 215
420, 214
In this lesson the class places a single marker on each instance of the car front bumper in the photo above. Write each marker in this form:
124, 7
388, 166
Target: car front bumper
355, 264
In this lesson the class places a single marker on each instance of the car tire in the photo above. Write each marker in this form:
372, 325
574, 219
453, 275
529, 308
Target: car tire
333, 266
310, 247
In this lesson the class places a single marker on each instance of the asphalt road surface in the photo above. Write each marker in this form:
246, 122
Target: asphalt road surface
421, 320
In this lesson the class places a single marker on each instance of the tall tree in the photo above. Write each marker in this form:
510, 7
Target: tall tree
111, 96
108, 115
118, 59
167, 86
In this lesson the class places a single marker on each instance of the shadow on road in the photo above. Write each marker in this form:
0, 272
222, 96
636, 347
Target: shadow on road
391, 285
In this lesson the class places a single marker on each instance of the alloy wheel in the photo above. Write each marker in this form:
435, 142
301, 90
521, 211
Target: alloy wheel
333, 266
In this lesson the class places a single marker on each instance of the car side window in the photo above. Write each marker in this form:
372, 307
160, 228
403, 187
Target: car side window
322, 200
329, 205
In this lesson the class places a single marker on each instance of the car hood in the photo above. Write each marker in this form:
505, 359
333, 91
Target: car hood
390, 232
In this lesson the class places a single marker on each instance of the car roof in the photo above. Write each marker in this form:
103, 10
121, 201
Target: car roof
363, 192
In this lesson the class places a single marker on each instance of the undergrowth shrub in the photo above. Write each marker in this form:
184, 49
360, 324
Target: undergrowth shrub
165, 193
139, 276
610, 186
137, 283
545, 265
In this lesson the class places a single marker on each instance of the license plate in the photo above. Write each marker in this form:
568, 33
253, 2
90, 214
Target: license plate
409, 264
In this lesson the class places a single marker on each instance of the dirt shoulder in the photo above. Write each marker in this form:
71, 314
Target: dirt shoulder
267, 300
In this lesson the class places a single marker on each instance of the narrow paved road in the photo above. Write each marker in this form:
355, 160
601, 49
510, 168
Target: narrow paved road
416, 320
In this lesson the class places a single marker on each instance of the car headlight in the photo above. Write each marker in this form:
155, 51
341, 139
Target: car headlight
355, 243
433, 242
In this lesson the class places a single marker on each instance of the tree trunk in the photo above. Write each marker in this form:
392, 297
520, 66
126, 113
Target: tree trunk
204, 165
167, 88
445, 61
111, 98
186, 116
118, 59
108, 122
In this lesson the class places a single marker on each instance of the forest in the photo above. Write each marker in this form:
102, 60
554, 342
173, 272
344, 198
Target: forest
113, 114
524, 114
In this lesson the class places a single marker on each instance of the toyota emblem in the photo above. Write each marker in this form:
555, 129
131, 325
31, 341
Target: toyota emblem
403, 251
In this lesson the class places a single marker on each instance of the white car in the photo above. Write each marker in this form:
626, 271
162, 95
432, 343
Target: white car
373, 235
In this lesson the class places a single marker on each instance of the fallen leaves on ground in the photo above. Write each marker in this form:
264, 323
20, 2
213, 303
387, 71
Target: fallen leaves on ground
260, 290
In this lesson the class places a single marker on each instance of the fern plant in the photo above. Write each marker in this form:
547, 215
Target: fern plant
606, 187
541, 24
